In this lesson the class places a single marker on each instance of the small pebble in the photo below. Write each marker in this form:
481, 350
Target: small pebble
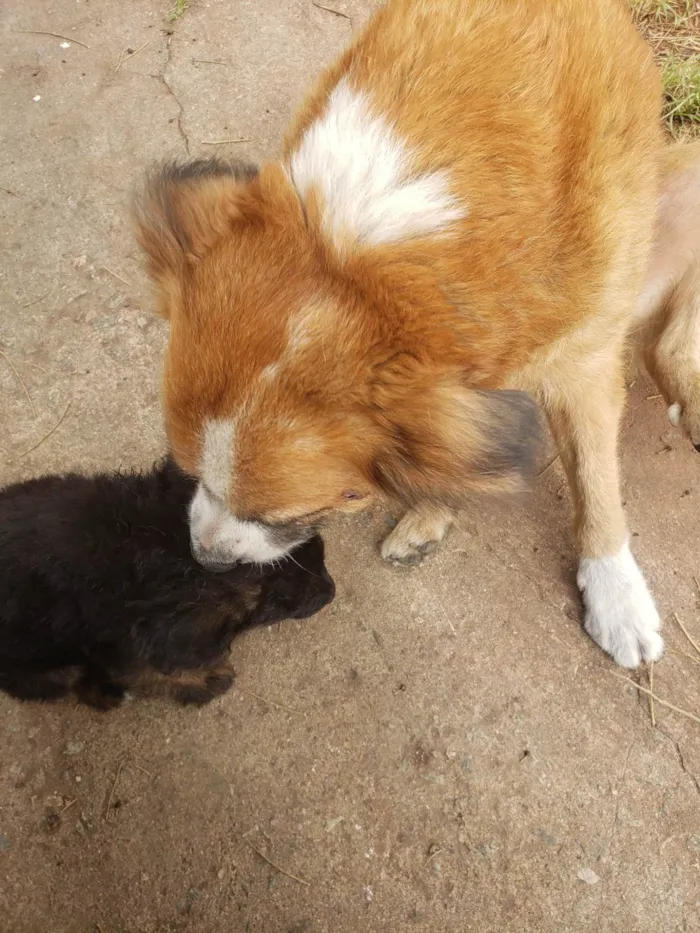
587, 875
37, 98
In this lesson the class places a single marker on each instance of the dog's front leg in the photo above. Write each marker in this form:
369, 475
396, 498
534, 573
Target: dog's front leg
584, 407
418, 533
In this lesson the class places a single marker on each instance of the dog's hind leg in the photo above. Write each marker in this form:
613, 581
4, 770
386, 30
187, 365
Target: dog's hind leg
673, 357
584, 404
669, 307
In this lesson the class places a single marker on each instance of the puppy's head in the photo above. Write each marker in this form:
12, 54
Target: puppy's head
298, 588
284, 394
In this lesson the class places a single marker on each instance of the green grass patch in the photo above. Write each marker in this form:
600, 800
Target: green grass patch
177, 10
682, 91
674, 12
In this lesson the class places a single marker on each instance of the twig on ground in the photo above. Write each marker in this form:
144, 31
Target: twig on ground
7, 191
432, 852
56, 35
676, 709
110, 798
651, 695
684, 654
225, 142
48, 435
275, 865
128, 54
117, 276
687, 633
36, 301
265, 700
329, 9
548, 466
20, 380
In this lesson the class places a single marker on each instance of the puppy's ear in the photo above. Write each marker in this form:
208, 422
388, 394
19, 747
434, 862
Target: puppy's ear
442, 441
183, 209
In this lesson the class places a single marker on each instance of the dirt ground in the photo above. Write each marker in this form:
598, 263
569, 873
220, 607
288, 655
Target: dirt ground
443, 749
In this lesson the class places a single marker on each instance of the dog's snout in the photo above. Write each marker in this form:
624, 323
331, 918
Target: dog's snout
209, 561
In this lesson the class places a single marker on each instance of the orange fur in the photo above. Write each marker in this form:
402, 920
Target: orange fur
545, 118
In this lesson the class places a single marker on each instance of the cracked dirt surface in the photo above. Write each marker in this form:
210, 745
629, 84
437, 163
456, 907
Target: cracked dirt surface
443, 749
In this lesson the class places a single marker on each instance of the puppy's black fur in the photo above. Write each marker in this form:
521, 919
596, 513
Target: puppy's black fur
99, 592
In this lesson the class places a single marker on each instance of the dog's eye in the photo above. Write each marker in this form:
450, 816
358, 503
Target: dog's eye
352, 495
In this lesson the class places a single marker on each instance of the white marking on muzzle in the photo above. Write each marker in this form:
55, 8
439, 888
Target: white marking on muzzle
218, 456
218, 537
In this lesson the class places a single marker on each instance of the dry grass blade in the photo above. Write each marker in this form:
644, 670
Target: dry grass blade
432, 853
683, 654
548, 466
55, 35
117, 276
329, 9
652, 712
686, 633
277, 867
657, 699
30, 304
20, 380
225, 142
256, 696
128, 54
48, 435
110, 798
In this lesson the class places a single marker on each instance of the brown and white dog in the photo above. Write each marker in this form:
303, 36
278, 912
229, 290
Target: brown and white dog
463, 213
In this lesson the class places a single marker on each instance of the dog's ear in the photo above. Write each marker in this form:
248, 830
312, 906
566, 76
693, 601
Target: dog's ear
441, 440
183, 209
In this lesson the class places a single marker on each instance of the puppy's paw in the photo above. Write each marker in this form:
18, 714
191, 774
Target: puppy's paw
199, 688
102, 695
219, 681
620, 614
418, 533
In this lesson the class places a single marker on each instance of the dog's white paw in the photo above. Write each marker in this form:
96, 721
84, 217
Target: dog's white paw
674, 414
620, 614
687, 417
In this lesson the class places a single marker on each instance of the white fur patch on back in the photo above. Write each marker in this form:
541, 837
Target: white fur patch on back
362, 170
218, 456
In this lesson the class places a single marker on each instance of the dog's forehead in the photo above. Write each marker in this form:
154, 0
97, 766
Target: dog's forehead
217, 457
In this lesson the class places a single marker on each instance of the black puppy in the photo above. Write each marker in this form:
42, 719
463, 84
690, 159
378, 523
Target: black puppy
99, 592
